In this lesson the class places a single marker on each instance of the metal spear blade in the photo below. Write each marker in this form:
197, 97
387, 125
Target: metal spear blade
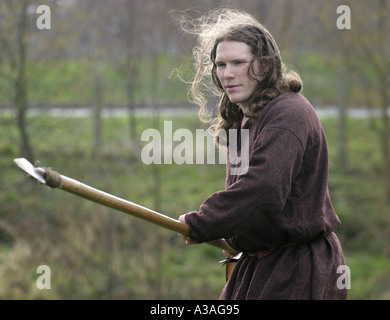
35, 172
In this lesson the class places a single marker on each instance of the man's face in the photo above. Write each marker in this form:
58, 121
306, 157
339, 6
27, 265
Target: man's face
233, 60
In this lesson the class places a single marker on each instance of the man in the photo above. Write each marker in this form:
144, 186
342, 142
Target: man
278, 213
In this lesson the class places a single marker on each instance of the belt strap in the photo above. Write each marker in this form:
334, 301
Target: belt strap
260, 254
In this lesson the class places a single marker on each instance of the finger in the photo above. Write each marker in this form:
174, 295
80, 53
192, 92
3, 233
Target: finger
227, 254
190, 242
182, 218
181, 236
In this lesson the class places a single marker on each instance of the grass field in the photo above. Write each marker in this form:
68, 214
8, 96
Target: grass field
96, 253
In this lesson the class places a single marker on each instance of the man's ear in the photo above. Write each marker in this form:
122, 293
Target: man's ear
264, 67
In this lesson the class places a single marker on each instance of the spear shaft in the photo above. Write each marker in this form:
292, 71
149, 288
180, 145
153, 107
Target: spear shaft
56, 180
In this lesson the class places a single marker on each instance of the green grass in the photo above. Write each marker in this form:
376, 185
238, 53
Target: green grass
369, 276
97, 253
74, 82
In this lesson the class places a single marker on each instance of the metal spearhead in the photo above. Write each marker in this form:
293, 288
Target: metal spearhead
35, 172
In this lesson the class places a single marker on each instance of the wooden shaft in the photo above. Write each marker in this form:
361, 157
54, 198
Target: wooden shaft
125, 206
55, 180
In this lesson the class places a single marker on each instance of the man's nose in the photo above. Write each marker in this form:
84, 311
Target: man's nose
229, 73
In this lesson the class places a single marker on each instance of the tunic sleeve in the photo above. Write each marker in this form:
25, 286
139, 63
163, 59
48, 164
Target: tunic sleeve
256, 196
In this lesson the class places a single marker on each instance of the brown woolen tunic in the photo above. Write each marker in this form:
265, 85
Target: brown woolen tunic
283, 203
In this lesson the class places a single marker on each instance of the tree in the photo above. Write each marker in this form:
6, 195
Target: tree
129, 35
13, 39
367, 48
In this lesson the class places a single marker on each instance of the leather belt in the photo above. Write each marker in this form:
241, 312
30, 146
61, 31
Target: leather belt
260, 254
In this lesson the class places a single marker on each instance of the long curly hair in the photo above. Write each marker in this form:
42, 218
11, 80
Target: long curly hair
233, 25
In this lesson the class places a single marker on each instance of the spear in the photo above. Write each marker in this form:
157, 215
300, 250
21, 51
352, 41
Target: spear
55, 180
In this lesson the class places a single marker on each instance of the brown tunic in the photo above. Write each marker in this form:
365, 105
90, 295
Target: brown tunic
282, 203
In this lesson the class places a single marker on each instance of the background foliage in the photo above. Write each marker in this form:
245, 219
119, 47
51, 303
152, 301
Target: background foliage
77, 97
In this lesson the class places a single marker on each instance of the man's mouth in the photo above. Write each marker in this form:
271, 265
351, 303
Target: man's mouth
231, 87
